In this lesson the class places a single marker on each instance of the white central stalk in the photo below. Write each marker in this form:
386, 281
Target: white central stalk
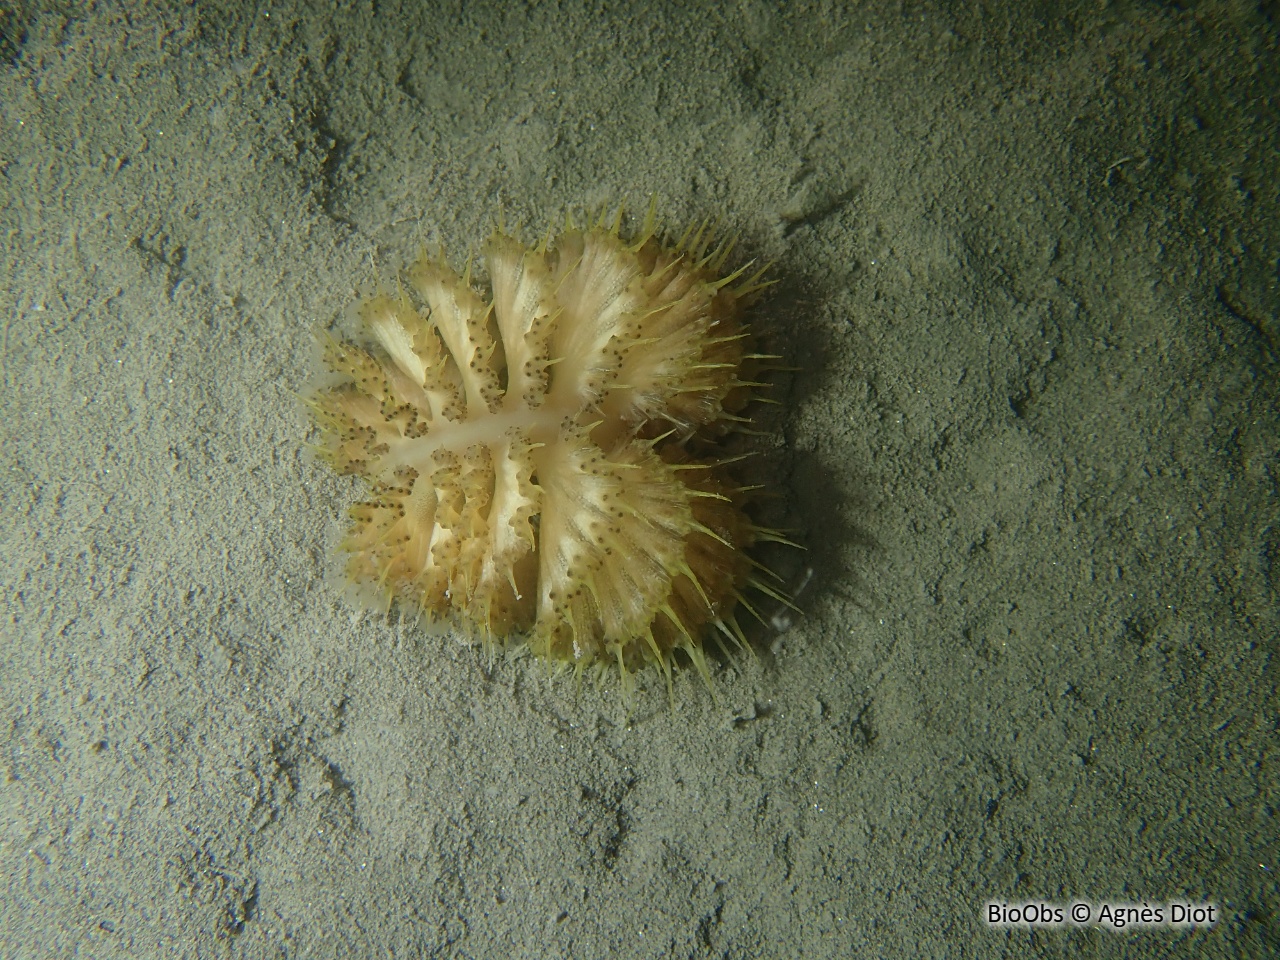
459, 435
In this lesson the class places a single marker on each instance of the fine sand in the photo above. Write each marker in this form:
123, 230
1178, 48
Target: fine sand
1027, 277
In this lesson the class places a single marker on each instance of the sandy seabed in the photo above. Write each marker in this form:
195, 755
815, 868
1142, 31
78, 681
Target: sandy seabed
1028, 281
